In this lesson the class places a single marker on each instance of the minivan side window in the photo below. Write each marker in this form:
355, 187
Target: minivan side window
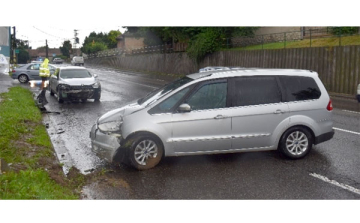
257, 90
209, 96
299, 88
169, 103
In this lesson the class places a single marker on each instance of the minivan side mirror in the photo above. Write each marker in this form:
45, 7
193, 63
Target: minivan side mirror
95, 75
184, 108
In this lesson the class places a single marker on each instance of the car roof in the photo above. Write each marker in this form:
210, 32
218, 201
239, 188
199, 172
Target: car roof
72, 68
250, 72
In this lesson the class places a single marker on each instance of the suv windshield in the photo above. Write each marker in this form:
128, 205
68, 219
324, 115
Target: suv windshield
158, 93
67, 74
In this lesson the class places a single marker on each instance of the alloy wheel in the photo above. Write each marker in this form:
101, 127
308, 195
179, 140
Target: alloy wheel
297, 143
144, 150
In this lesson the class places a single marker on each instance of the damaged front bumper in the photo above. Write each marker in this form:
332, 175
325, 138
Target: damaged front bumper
106, 146
79, 92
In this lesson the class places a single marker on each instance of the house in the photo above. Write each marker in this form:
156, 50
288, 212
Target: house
35, 53
129, 41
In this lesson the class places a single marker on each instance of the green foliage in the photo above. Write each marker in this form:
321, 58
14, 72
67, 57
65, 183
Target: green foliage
202, 40
96, 42
344, 30
111, 39
204, 43
23, 56
66, 48
94, 47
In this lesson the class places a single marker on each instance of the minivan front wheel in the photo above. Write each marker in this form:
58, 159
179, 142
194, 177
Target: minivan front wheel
145, 152
296, 142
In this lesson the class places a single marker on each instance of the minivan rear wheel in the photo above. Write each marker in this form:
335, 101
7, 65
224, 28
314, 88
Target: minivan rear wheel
146, 152
296, 142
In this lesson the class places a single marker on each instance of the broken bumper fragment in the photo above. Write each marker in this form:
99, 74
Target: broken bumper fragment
105, 145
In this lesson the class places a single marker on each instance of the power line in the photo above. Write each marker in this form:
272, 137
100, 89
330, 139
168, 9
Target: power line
49, 34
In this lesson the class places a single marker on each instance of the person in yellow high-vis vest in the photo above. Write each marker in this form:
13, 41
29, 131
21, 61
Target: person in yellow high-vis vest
44, 72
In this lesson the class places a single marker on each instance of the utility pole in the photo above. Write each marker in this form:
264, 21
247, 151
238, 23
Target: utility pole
12, 52
46, 50
76, 40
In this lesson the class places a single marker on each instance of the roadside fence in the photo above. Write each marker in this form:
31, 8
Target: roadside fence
287, 39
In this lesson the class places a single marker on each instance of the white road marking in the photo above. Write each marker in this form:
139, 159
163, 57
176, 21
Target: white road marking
351, 111
343, 186
348, 131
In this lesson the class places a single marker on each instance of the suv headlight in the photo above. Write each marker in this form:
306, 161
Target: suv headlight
64, 86
96, 85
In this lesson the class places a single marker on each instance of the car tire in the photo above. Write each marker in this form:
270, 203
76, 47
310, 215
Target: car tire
60, 100
145, 152
296, 142
51, 92
83, 100
97, 95
23, 78
358, 98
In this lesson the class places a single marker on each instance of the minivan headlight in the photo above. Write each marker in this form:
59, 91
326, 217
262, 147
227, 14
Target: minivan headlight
113, 126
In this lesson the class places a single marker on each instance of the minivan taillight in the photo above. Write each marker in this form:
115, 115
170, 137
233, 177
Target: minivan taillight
329, 106
13, 71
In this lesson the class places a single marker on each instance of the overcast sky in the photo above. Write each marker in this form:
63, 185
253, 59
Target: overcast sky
57, 34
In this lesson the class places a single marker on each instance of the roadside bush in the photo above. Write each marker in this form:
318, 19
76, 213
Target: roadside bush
344, 30
203, 44
94, 47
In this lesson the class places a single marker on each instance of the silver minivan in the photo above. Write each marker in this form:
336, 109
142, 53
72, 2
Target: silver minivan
213, 112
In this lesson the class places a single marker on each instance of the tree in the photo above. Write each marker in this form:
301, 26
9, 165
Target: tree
96, 42
94, 47
66, 48
23, 55
111, 39
202, 40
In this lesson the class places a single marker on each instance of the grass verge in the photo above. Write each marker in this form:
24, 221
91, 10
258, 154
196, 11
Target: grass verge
34, 171
320, 42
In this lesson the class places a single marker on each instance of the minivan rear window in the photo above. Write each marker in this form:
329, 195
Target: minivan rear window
254, 91
299, 88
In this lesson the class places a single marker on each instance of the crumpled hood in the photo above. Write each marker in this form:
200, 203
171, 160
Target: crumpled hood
118, 113
78, 81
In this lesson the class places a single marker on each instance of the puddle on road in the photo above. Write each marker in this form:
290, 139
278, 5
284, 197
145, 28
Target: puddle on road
37, 83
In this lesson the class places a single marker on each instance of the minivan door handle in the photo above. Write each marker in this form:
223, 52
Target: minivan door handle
279, 111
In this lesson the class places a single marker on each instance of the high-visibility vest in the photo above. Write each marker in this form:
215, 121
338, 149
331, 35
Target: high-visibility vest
44, 69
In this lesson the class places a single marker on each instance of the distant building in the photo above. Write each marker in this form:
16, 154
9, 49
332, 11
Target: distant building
5, 41
36, 53
128, 41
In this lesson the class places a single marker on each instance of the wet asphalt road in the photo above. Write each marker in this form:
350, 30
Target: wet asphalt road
330, 171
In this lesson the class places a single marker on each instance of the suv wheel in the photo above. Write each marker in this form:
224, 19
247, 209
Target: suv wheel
97, 95
51, 92
296, 142
145, 152
60, 100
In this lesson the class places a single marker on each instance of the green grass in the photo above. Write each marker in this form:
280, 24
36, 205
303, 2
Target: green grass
320, 42
35, 172
32, 184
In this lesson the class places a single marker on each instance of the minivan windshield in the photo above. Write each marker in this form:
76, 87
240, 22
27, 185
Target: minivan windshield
158, 93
